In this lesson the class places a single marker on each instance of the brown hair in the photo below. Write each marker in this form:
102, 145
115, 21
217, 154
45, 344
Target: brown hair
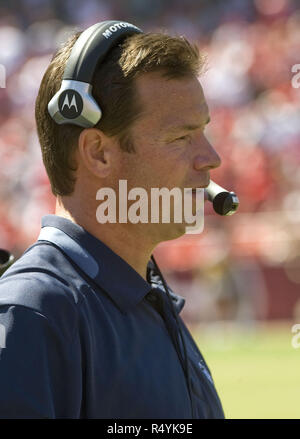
114, 90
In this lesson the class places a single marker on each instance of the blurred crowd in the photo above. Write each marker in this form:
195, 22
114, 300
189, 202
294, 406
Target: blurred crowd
251, 47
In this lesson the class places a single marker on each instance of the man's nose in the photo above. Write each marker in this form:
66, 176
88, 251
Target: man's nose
206, 156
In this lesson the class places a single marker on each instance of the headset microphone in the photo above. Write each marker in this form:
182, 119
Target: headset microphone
224, 202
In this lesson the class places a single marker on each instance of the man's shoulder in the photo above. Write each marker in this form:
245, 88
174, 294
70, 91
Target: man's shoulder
41, 279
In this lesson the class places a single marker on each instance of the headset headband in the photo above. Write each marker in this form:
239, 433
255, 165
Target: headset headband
74, 103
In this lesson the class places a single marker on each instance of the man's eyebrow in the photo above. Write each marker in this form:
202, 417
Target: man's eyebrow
187, 127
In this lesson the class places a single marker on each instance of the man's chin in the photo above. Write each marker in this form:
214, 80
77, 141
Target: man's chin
172, 231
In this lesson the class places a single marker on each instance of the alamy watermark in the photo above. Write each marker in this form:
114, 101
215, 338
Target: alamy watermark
296, 78
296, 337
184, 206
2, 76
2, 336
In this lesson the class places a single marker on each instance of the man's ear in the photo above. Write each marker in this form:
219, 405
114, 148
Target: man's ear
96, 151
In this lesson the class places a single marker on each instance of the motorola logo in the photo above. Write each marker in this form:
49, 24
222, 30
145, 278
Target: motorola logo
117, 26
70, 104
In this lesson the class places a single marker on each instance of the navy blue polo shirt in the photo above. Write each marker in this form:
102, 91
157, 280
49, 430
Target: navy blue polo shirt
83, 339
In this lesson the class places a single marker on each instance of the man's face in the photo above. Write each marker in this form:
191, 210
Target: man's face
171, 148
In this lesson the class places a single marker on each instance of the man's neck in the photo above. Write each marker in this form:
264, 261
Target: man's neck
118, 237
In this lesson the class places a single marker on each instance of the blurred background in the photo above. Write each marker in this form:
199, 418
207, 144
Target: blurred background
241, 276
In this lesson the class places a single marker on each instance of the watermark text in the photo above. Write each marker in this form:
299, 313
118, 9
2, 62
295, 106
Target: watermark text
296, 337
2, 336
296, 78
2, 76
176, 205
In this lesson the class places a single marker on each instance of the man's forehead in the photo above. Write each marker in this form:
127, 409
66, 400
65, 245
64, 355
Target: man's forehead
152, 87
188, 119
172, 102
195, 113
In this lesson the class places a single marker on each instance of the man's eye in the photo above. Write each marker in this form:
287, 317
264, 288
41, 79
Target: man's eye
186, 137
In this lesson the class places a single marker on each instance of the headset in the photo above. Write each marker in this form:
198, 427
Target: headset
74, 103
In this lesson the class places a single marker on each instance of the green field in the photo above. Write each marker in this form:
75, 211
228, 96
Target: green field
256, 370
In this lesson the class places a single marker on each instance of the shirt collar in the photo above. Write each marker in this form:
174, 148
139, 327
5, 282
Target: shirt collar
154, 278
108, 270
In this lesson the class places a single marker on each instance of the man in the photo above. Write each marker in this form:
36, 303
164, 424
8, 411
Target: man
91, 330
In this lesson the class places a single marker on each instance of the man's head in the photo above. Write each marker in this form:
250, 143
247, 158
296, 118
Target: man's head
114, 88
151, 131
